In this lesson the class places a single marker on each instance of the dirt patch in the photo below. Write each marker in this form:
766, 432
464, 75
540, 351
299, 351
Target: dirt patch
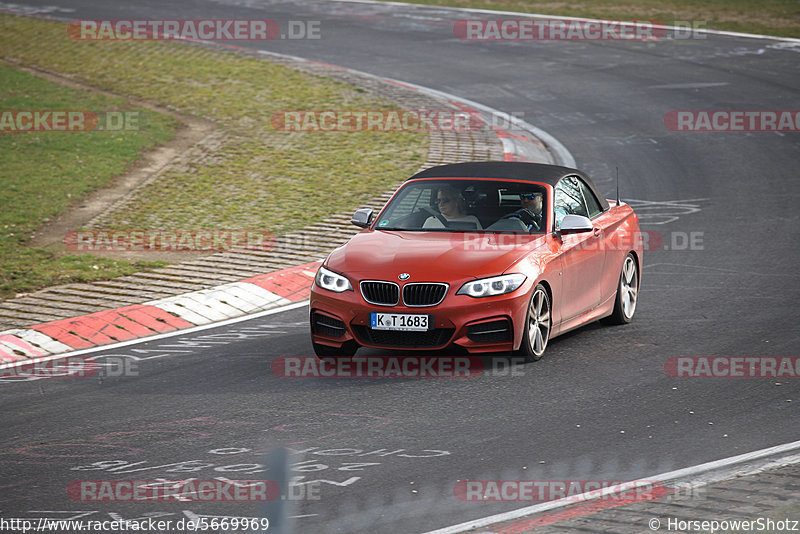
192, 131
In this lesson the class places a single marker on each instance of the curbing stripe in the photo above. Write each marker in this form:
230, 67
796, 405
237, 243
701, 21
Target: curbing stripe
58, 331
89, 328
115, 318
37, 339
177, 308
220, 303
256, 296
16, 345
166, 335
160, 316
208, 300
101, 328
226, 296
154, 318
246, 298
579, 510
292, 284
114, 330
8, 356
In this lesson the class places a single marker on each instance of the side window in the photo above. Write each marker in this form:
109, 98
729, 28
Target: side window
592, 204
567, 199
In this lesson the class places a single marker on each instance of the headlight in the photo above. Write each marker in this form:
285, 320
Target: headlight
331, 281
487, 287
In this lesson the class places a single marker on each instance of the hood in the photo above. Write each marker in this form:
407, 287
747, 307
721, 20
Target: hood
439, 255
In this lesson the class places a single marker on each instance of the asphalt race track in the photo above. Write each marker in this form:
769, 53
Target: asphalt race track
383, 456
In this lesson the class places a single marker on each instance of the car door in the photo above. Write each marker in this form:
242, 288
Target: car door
605, 226
581, 252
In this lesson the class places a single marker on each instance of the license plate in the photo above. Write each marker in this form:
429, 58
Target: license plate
399, 321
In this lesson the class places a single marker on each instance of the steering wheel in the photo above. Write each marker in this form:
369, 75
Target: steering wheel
525, 216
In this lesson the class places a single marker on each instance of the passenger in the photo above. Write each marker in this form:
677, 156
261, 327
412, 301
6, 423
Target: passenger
453, 208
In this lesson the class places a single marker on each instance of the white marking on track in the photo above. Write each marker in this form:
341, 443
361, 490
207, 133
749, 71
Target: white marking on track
694, 471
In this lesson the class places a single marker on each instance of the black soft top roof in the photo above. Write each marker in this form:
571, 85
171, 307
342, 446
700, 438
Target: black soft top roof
511, 170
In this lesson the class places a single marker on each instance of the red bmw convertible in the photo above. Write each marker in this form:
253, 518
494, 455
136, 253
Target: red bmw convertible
488, 256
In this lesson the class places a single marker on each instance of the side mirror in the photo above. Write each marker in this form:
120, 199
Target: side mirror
362, 218
571, 224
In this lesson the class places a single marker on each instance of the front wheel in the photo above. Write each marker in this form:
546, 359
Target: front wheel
537, 326
627, 292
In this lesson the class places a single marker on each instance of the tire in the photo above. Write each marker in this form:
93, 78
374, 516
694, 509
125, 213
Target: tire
538, 322
627, 292
347, 350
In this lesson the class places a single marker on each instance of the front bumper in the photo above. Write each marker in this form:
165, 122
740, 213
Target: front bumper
488, 324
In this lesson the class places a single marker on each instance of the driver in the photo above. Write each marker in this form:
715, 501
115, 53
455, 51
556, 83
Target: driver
453, 208
531, 212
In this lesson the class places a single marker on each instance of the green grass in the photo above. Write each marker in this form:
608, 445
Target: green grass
42, 173
258, 178
767, 17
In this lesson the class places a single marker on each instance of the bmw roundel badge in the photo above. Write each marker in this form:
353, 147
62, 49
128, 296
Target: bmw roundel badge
404, 276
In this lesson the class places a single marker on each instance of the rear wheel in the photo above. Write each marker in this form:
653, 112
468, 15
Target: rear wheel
627, 292
537, 326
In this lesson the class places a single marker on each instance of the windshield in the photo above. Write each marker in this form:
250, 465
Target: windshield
450, 205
